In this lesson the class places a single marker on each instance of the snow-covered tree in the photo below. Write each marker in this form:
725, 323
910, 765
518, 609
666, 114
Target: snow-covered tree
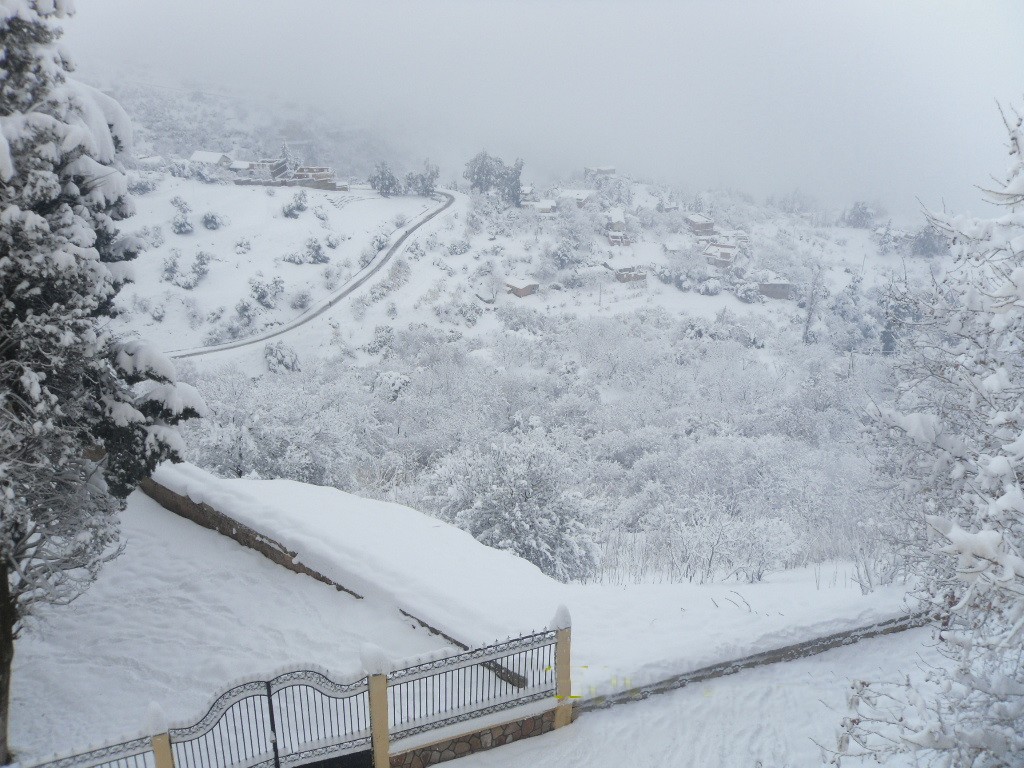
486, 173
82, 415
384, 182
956, 442
424, 182
513, 494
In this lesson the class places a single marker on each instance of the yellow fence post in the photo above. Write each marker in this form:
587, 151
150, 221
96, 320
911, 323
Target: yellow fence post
379, 721
162, 754
376, 665
563, 669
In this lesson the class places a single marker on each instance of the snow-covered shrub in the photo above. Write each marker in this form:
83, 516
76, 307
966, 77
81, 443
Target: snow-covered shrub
213, 221
711, 287
301, 300
181, 224
458, 311
296, 205
315, 252
200, 268
331, 240
749, 293
400, 220
158, 312
398, 275
142, 185
204, 172
266, 293
169, 268
320, 213
391, 310
152, 236
459, 247
242, 246
280, 358
331, 277
383, 336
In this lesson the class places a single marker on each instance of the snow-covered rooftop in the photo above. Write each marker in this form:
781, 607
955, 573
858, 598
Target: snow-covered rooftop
210, 158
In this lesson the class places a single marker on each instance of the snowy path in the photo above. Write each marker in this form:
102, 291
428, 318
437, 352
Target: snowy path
352, 285
768, 717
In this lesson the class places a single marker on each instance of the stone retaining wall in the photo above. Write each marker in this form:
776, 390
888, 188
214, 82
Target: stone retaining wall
208, 517
478, 741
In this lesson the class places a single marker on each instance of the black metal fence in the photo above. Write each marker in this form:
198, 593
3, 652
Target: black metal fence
471, 684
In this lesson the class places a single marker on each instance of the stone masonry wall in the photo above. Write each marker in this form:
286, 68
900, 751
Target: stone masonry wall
477, 741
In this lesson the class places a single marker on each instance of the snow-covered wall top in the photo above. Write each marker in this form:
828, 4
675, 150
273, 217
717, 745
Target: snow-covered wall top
420, 564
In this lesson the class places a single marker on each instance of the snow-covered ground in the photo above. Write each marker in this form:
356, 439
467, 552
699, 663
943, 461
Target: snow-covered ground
771, 717
182, 614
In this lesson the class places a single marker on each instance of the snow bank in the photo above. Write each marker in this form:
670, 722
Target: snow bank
419, 564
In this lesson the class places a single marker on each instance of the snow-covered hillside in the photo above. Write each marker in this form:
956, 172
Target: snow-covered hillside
221, 261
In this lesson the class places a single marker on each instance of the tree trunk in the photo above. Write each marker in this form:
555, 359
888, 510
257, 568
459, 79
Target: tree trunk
8, 617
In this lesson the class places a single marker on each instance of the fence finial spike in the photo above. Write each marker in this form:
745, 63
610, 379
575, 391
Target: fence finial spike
562, 619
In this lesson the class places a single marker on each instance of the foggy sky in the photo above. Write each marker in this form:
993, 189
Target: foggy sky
873, 99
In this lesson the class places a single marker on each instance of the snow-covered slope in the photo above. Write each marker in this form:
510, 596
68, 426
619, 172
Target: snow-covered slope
187, 287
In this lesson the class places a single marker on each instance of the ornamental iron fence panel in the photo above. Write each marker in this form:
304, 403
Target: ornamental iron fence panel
472, 684
293, 719
136, 753
304, 717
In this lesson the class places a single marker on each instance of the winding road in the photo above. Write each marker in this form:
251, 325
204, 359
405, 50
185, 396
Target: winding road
353, 284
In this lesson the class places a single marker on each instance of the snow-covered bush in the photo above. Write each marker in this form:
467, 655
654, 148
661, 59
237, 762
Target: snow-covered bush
710, 287
458, 248
213, 221
331, 240
169, 267
301, 300
142, 185
383, 336
181, 224
243, 246
296, 205
266, 292
458, 312
280, 358
315, 252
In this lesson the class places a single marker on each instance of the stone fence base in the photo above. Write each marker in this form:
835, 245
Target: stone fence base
478, 741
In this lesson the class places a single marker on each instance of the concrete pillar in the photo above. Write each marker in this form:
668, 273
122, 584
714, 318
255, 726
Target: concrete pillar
162, 754
563, 677
378, 721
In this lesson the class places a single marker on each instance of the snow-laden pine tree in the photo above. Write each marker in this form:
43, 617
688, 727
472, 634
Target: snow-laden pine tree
955, 439
82, 415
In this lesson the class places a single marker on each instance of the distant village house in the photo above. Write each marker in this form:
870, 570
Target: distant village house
700, 224
210, 158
